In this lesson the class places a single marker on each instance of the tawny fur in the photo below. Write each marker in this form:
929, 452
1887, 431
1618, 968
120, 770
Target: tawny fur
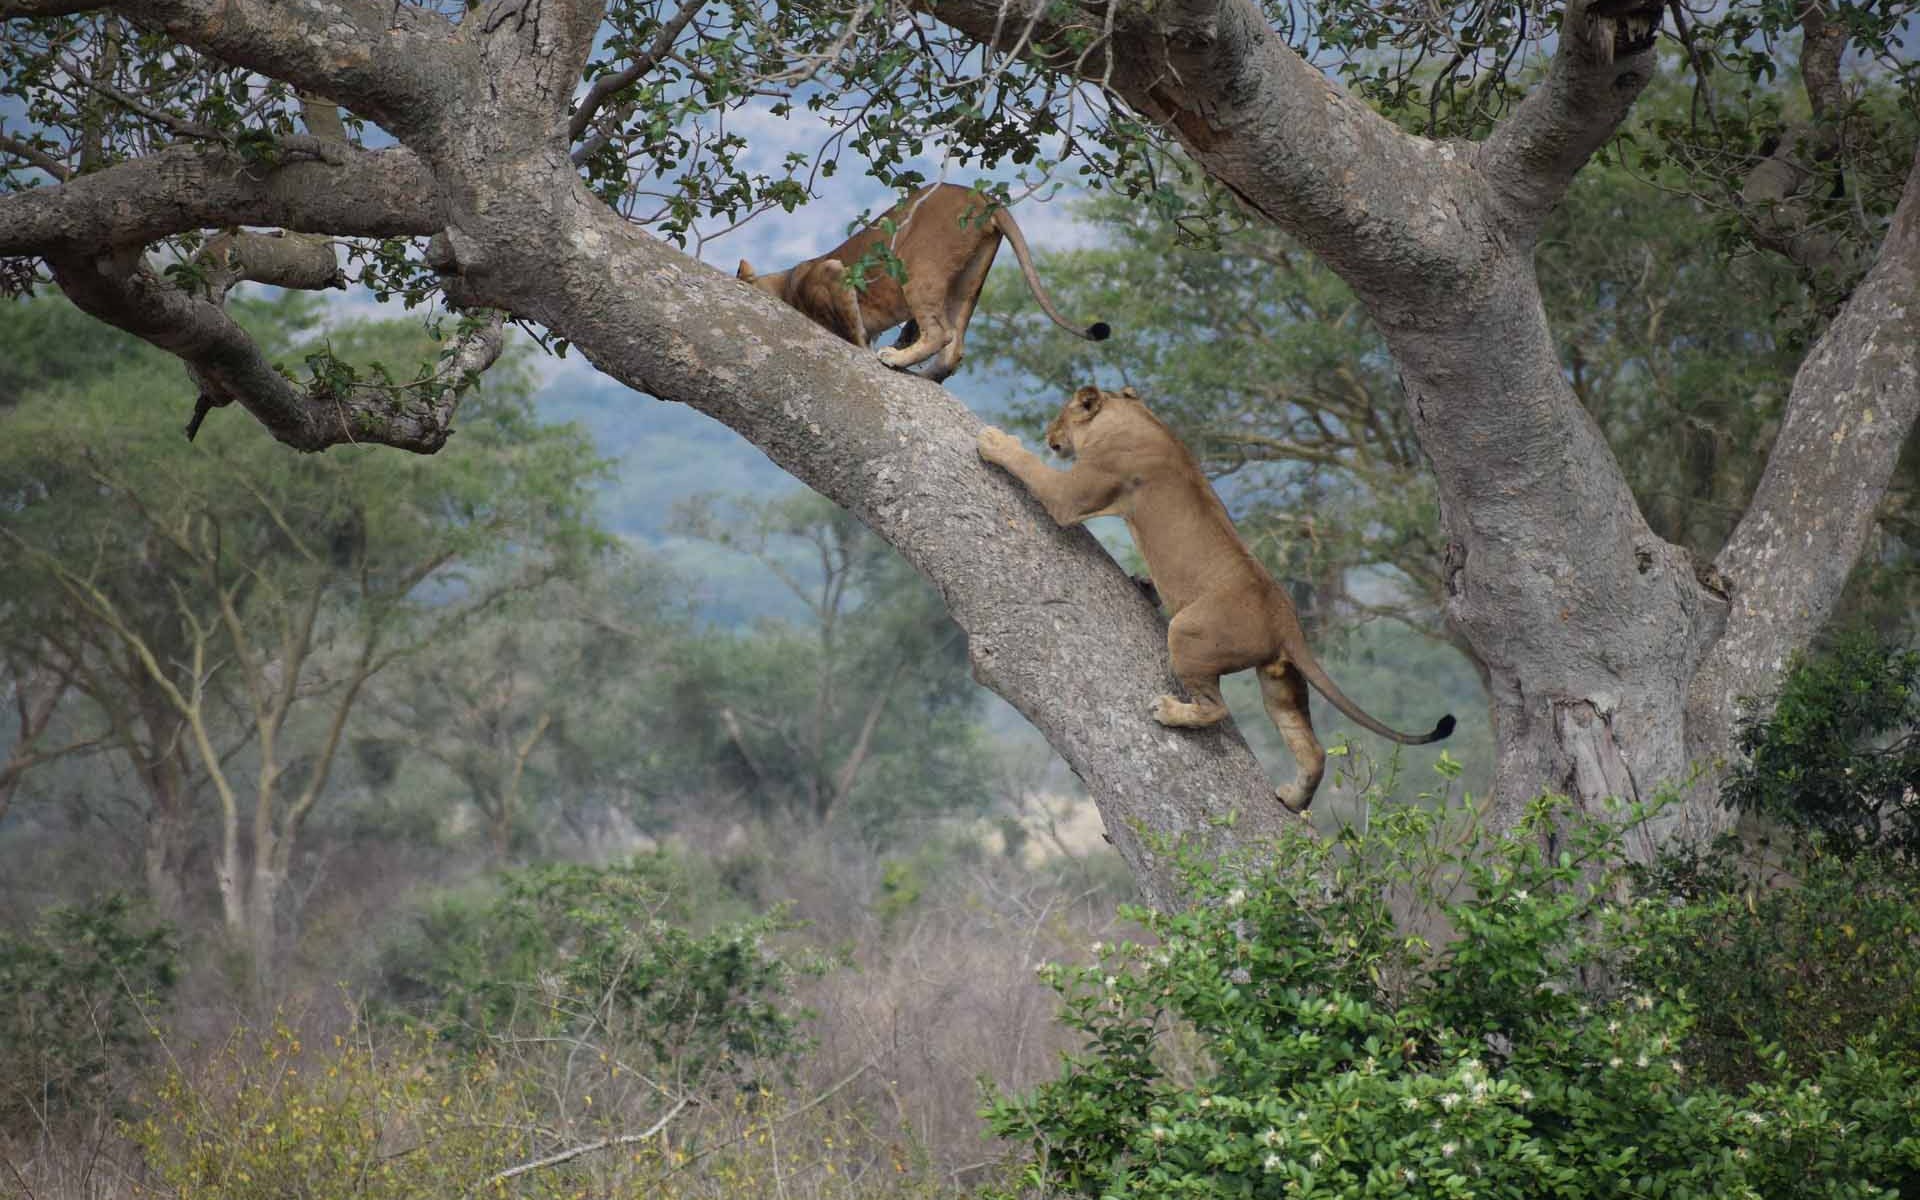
1226, 612
945, 236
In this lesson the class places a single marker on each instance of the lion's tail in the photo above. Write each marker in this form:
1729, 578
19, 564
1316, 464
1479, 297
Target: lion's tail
1004, 222
1323, 683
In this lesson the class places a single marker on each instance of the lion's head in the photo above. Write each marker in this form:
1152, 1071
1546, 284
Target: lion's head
1079, 412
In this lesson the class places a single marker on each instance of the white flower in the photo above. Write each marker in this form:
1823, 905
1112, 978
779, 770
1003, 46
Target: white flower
1097, 947
1643, 1003
1613, 1027
1740, 1152
1273, 1137
1615, 1061
1449, 1100
1273, 1162
1754, 1119
1679, 1068
1520, 893
1526, 1095
1236, 897
1813, 1089
1412, 1103
1158, 1133
1315, 1159
1206, 1102
1447, 1149
1111, 981
1407, 1174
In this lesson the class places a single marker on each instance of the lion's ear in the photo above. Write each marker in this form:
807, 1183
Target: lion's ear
1129, 393
1089, 398
745, 272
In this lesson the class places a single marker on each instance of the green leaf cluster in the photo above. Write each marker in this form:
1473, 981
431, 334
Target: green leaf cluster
1787, 952
1839, 750
601, 952
1401, 1012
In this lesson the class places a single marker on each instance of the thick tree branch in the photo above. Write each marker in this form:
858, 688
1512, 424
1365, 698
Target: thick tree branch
1855, 399
11, 10
392, 62
1266, 124
293, 260
366, 193
1604, 59
230, 368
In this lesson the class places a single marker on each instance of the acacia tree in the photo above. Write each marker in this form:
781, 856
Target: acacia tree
544, 152
219, 616
858, 711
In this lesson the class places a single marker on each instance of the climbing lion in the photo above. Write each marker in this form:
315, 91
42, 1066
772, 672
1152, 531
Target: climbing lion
945, 236
1227, 614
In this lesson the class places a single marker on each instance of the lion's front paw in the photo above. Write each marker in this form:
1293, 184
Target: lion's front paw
1171, 710
997, 445
893, 357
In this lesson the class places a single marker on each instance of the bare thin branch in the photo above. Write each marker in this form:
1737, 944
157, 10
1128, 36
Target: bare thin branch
608, 86
568, 1155
35, 156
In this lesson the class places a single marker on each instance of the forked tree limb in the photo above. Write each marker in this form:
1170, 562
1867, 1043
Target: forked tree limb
1604, 59
230, 367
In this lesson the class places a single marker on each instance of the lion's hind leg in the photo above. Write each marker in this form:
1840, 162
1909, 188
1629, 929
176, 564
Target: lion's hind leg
1201, 655
1283, 689
963, 296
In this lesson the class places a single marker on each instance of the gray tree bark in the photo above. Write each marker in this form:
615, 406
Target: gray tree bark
1593, 631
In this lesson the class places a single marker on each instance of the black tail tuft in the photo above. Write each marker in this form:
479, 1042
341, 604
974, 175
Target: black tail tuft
1443, 729
1099, 331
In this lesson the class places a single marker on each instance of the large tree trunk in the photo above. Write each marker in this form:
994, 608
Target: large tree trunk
167, 835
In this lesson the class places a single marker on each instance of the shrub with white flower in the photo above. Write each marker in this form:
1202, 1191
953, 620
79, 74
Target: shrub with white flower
1340, 1056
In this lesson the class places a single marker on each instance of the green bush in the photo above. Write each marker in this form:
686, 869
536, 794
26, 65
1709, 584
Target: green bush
600, 952
266, 1119
1839, 753
373, 1116
74, 991
1293, 1034
1791, 951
